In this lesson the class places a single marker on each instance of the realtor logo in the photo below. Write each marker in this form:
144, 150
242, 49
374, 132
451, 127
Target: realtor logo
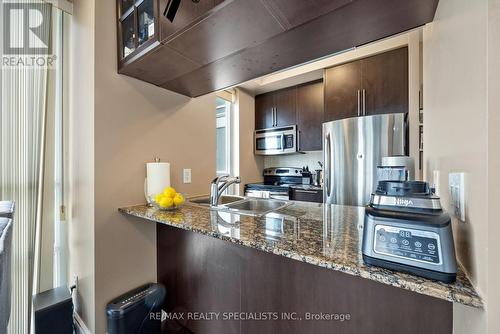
26, 28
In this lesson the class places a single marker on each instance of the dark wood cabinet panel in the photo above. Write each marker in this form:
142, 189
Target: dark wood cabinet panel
276, 108
159, 65
205, 274
292, 13
232, 47
306, 195
264, 105
385, 82
239, 25
310, 116
188, 13
286, 106
369, 86
342, 91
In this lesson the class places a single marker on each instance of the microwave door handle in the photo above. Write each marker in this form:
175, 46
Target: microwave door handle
283, 143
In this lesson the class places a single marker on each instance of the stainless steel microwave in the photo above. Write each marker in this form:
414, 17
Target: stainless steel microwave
275, 141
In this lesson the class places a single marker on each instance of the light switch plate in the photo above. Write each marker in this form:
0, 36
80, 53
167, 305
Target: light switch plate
186, 175
456, 189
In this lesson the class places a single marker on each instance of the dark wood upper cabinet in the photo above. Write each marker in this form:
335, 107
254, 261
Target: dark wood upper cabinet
310, 116
385, 82
276, 108
286, 106
342, 91
300, 105
369, 86
264, 111
215, 44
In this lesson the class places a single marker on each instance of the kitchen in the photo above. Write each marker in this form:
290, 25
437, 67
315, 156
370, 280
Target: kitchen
336, 124
244, 166
324, 132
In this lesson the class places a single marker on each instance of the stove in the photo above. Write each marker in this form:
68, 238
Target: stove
277, 183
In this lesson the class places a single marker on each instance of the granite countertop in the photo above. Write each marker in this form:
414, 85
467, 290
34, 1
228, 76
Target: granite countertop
328, 236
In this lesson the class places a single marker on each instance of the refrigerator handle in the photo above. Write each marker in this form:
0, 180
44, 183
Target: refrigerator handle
298, 141
359, 103
328, 167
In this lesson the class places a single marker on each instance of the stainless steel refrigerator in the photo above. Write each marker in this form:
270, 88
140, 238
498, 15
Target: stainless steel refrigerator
352, 150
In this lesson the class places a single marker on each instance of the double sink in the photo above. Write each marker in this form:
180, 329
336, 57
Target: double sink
243, 205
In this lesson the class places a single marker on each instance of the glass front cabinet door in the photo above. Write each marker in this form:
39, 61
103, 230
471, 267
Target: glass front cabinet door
137, 25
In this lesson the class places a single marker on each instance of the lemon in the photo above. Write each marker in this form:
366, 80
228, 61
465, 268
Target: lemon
166, 202
169, 192
178, 199
158, 198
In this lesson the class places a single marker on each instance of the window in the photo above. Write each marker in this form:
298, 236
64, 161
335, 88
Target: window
223, 135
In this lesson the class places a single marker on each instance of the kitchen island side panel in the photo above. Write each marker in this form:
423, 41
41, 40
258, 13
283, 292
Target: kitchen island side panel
205, 274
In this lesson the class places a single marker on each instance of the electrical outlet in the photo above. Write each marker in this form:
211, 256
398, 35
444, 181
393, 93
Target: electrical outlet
456, 189
186, 175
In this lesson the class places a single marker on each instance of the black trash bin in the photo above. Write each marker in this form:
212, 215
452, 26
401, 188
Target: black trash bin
137, 311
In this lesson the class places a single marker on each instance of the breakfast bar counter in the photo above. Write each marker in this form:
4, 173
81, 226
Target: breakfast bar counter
327, 236
298, 269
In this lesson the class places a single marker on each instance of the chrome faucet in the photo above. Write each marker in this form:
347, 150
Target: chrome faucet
218, 185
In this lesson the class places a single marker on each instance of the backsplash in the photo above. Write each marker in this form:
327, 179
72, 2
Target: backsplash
310, 158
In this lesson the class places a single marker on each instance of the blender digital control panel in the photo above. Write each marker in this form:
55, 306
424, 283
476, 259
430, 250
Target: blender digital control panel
406, 243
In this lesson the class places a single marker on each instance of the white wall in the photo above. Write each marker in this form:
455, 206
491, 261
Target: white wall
310, 158
461, 107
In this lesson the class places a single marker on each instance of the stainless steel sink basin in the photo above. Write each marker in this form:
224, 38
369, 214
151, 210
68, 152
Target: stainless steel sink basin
224, 199
253, 206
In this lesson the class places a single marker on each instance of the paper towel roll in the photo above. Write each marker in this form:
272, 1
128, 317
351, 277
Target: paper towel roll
157, 178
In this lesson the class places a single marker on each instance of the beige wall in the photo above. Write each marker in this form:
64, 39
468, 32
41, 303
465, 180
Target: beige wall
493, 164
81, 162
461, 53
118, 125
134, 122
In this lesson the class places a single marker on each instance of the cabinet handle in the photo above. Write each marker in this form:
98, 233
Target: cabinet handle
364, 102
359, 107
275, 116
306, 191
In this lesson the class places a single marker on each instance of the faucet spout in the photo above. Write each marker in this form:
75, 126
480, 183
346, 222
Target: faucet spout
218, 185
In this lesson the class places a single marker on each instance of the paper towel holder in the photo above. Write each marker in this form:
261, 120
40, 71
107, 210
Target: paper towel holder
147, 192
